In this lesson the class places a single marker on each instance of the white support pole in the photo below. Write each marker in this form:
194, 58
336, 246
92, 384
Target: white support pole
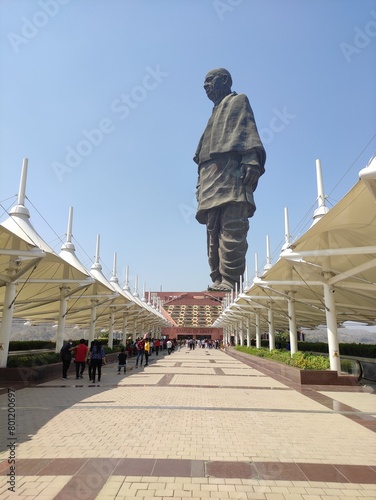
241, 333
6, 322
271, 328
248, 331
111, 329
258, 331
124, 329
236, 335
292, 323
331, 322
61, 321
93, 319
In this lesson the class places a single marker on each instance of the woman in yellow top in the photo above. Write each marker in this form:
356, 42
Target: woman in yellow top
147, 351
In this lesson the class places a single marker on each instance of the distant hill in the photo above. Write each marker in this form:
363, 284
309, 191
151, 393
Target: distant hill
23, 330
348, 335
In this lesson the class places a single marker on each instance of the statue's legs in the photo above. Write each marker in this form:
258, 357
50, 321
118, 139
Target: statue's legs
212, 233
227, 229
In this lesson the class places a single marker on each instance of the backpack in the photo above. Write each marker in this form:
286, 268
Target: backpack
140, 345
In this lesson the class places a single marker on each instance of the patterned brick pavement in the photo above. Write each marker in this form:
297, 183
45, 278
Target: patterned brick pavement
196, 424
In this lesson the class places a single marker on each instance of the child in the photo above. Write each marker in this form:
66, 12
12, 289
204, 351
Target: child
122, 360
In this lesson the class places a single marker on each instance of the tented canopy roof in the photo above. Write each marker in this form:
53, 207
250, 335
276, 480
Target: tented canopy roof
37, 269
338, 250
41, 275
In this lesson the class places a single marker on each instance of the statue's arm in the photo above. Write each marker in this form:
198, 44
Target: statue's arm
250, 169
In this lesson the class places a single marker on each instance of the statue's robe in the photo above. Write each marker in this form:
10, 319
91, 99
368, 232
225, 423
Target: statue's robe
229, 140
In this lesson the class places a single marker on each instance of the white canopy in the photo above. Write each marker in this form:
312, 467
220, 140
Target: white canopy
338, 251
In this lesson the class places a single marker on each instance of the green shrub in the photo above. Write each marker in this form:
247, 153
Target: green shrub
31, 360
107, 350
353, 349
302, 360
26, 345
309, 361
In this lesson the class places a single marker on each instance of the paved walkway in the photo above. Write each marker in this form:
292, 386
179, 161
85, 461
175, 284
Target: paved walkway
194, 425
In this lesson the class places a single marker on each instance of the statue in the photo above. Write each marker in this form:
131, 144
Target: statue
230, 158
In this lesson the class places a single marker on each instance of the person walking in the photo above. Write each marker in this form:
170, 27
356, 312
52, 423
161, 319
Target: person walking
140, 351
80, 357
122, 360
66, 357
147, 351
96, 359
157, 345
169, 346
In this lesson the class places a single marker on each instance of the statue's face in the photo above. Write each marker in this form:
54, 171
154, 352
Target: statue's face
214, 85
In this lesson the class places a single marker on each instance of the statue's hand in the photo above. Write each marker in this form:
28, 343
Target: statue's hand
250, 174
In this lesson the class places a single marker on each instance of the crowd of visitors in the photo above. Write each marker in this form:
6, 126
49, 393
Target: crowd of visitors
141, 349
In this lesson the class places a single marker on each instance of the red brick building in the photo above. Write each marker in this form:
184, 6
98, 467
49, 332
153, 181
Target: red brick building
193, 313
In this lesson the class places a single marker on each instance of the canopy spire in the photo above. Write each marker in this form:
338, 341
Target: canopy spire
20, 208
322, 209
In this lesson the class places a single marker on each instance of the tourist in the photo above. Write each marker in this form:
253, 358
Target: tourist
169, 346
122, 360
157, 345
140, 351
65, 357
97, 355
147, 351
80, 357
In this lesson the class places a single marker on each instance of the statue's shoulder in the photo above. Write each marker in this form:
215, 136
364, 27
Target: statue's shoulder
236, 102
234, 97
240, 97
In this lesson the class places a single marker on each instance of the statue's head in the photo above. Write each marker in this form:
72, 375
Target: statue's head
217, 84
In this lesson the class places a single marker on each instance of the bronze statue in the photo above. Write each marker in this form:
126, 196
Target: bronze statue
230, 158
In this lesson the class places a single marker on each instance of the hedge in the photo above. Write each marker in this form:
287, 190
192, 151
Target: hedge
302, 360
45, 358
26, 345
30, 360
353, 349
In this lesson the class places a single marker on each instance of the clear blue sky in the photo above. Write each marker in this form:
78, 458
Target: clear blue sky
134, 70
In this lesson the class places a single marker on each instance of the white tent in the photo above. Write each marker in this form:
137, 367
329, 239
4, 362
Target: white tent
327, 276
39, 285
